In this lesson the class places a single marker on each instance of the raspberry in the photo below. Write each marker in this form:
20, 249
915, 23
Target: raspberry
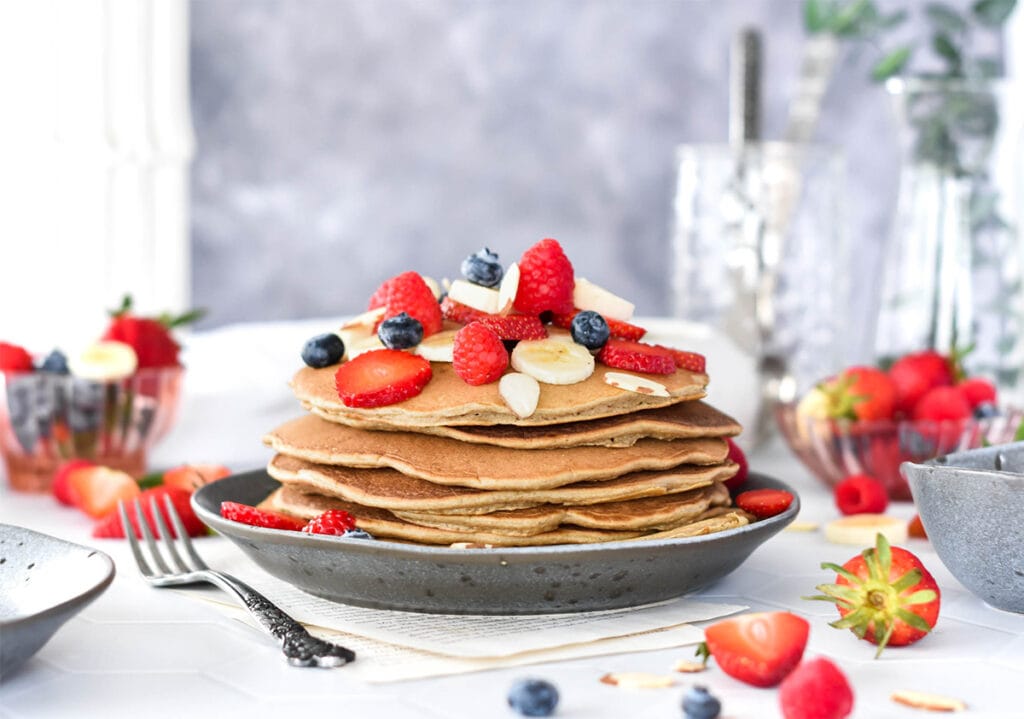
14, 358
333, 521
545, 280
637, 356
380, 377
245, 514
861, 494
617, 329
515, 327
479, 356
379, 298
458, 312
817, 689
409, 293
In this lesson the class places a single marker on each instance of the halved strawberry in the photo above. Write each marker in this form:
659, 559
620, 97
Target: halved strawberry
381, 377
190, 477
637, 356
736, 455
97, 490
764, 503
243, 513
759, 648
690, 361
60, 487
515, 327
617, 329
110, 526
458, 312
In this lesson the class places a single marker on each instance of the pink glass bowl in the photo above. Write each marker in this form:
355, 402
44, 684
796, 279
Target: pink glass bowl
835, 449
47, 419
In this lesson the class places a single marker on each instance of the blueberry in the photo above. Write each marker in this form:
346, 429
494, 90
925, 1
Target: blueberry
55, 362
85, 409
483, 268
357, 534
986, 410
699, 704
533, 697
22, 391
400, 332
323, 350
590, 330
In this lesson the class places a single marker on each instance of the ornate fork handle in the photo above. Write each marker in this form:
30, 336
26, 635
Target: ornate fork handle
300, 647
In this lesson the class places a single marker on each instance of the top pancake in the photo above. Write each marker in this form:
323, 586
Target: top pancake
447, 400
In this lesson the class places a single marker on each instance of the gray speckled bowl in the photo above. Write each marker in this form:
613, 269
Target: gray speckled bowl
517, 580
44, 581
972, 507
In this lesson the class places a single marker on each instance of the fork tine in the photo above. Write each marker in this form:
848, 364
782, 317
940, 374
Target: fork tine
179, 528
133, 541
147, 535
165, 535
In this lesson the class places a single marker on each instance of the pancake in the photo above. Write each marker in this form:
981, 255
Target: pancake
447, 400
389, 489
450, 462
678, 421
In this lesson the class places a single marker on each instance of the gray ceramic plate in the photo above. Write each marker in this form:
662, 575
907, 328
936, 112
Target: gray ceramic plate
518, 580
44, 581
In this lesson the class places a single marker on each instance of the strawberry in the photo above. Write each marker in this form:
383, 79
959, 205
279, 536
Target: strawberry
861, 494
637, 356
191, 477
736, 455
816, 689
759, 648
110, 526
150, 337
96, 490
479, 355
884, 595
545, 280
409, 293
381, 377
764, 503
618, 329
458, 312
60, 487
244, 514
860, 393
977, 391
914, 374
915, 528
515, 327
14, 358
942, 403
333, 521
690, 361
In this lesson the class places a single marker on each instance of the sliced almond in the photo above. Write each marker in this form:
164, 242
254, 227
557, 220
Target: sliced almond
508, 288
931, 702
521, 393
861, 529
638, 680
438, 347
685, 666
632, 383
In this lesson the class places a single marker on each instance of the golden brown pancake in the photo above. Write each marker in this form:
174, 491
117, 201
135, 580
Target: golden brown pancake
389, 489
447, 461
448, 400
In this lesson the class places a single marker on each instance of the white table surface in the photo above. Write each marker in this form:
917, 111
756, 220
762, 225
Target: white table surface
138, 651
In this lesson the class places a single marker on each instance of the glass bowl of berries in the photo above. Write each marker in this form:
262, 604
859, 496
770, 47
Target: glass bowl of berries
866, 420
109, 403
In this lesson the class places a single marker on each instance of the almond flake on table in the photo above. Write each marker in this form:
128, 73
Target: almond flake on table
685, 666
638, 680
931, 702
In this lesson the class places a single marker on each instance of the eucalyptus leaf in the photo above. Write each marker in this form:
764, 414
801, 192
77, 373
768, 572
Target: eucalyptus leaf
993, 13
850, 19
891, 64
948, 51
817, 15
945, 18
891, 20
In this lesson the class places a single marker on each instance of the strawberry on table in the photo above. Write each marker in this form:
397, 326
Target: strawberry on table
14, 358
244, 514
759, 648
381, 377
884, 595
860, 393
546, 280
637, 356
816, 689
96, 490
764, 503
861, 494
110, 526
479, 356
60, 487
913, 375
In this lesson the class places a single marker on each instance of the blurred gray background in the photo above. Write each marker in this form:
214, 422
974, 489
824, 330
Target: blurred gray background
343, 141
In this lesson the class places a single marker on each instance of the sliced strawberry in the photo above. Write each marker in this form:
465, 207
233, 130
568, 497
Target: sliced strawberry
245, 514
97, 490
515, 327
637, 356
458, 312
861, 494
333, 521
816, 689
764, 503
409, 293
915, 528
381, 377
736, 455
110, 525
14, 358
546, 280
61, 488
759, 648
690, 361
618, 329
190, 477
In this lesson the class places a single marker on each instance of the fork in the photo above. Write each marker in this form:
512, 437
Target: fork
300, 647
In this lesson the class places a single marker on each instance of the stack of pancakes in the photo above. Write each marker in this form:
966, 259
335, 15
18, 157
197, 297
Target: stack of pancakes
455, 466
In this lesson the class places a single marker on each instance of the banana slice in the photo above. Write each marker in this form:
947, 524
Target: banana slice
434, 286
439, 347
588, 296
358, 345
632, 383
553, 361
104, 361
478, 297
508, 288
520, 392
862, 528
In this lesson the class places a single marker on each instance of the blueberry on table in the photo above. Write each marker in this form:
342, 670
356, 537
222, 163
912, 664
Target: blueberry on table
533, 697
589, 329
698, 703
323, 350
483, 268
400, 332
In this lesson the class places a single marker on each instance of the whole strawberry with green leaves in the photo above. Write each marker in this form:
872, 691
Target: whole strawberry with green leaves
150, 337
